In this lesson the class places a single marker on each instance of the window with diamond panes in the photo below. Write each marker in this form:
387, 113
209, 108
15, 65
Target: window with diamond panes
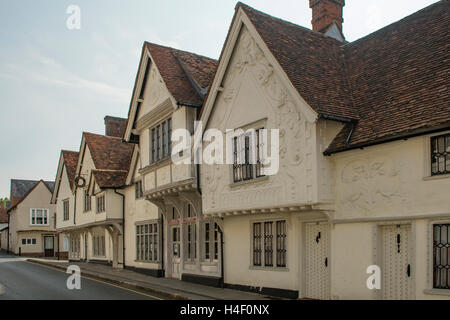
441, 256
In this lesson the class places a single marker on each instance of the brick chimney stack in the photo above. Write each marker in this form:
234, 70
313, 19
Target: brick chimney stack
325, 12
115, 127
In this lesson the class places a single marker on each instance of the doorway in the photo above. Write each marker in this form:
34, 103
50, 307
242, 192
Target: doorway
396, 271
175, 251
317, 274
49, 246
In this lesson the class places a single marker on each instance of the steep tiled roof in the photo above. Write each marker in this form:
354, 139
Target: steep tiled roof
392, 82
400, 77
109, 153
71, 161
182, 71
312, 61
110, 178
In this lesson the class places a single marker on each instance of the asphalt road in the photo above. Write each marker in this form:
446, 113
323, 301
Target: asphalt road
24, 280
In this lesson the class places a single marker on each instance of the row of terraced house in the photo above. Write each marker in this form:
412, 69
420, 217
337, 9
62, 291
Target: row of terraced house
363, 178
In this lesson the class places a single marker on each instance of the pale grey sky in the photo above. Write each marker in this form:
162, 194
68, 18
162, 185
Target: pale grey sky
56, 83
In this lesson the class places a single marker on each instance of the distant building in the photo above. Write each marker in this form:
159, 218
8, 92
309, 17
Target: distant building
31, 219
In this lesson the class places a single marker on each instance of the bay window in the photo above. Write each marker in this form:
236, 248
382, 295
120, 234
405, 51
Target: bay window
161, 141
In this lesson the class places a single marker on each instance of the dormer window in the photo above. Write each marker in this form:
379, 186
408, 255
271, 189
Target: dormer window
440, 154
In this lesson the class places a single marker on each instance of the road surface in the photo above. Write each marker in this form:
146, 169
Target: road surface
20, 279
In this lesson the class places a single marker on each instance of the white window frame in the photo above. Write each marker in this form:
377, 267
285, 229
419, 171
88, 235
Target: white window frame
149, 239
213, 241
97, 203
98, 246
87, 199
427, 157
257, 141
30, 240
45, 216
161, 140
66, 202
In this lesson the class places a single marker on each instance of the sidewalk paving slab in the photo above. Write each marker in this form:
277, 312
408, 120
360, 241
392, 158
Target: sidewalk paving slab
170, 288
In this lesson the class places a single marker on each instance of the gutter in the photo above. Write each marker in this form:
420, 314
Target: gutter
351, 122
187, 104
386, 140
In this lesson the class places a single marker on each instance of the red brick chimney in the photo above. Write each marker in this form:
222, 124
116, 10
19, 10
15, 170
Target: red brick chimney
115, 127
325, 12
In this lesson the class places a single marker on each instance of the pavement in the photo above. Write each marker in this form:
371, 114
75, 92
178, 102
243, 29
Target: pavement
161, 287
20, 279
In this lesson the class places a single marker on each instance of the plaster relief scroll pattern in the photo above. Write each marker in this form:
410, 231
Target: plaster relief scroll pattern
293, 127
371, 183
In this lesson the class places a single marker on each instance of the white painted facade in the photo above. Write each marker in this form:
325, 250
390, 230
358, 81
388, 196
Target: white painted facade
343, 213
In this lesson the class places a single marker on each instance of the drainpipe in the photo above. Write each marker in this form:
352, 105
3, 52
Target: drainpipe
7, 234
161, 229
123, 231
221, 257
75, 207
59, 253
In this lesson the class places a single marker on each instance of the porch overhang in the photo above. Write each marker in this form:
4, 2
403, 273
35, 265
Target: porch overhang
105, 223
327, 210
172, 189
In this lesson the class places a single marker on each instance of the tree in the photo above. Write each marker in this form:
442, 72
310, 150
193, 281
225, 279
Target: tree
3, 202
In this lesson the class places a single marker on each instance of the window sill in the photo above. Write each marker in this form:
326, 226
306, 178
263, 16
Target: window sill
209, 263
280, 269
157, 164
245, 182
440, 292
146, 261
436, 177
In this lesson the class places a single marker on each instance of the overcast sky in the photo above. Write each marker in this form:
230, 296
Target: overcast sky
56, 83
